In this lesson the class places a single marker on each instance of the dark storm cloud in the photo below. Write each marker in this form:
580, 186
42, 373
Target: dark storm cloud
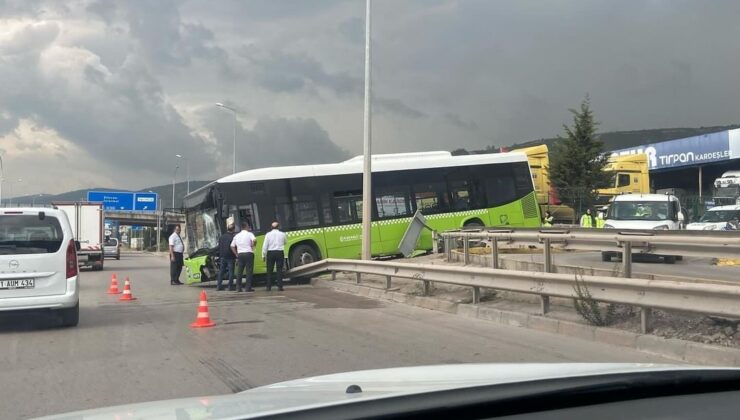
457, 121
274, 141
285, 72
394, 107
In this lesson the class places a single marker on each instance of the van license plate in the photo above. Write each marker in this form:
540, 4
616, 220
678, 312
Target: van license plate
17, 284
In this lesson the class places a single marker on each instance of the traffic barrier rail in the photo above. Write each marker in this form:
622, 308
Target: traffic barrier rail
700, 298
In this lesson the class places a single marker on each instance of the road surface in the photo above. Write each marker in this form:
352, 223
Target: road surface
125, 352
689, 267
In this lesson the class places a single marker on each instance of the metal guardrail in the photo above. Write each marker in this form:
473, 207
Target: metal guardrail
712, 244
706, 299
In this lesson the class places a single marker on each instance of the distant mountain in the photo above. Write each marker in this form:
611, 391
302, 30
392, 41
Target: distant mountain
164, 192
616, 140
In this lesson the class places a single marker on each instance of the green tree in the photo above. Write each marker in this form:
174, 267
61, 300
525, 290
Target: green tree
577, 161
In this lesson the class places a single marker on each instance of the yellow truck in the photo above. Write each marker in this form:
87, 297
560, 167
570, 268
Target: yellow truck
630, 176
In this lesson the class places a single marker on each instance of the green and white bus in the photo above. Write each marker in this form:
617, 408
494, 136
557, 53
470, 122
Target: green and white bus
320, 206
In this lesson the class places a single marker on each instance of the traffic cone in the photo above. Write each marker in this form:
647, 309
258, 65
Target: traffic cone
113, 289
127, 291
202, 320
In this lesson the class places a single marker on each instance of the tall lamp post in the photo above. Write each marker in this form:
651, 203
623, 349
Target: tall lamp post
174, 176
2, 178
187, 170
367, 153
233, 111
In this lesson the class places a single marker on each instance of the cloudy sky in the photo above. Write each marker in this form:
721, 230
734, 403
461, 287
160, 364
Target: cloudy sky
105, 92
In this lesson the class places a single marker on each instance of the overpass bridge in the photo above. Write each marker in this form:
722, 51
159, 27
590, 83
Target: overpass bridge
145, 218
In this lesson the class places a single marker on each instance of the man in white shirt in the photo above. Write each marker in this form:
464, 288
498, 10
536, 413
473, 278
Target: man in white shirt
243, 247
177, 247
274, 251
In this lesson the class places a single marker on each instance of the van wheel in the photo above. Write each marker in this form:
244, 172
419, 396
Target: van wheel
606, 257
70, 316
669, 259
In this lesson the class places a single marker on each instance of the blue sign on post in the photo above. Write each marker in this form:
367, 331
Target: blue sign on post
112, 200
145, 201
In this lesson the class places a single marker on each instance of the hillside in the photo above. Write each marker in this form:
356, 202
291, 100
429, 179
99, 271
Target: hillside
621, 139
164, 191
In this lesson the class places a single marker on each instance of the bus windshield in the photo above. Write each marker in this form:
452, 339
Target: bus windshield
203, 231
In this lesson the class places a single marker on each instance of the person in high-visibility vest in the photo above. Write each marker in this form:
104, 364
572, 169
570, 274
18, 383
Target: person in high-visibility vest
587, 220
600, 220
547, 220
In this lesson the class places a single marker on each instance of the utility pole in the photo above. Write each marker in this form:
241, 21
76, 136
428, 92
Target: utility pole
367, 204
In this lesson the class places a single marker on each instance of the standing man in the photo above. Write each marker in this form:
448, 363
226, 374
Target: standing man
177, 247
274, 251
227, 258
242, 247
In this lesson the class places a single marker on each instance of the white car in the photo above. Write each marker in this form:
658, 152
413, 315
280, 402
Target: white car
38, 263
716, 218
646, 212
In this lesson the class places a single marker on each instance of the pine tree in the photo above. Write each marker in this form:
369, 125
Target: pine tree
577, 161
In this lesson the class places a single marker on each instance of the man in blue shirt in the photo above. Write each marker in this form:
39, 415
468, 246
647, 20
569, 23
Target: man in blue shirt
226, 258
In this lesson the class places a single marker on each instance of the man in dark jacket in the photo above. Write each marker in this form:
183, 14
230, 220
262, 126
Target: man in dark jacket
226, 257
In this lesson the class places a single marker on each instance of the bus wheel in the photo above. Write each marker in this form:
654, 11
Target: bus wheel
473, 224
302, 255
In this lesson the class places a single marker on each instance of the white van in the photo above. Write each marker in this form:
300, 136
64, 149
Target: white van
716, 218
38, 263
644, 211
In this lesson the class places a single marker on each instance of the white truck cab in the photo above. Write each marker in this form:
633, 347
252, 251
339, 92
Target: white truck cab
644, 211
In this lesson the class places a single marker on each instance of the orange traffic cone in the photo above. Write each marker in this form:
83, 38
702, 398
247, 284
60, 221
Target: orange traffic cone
202, 320
127, 291
113, 289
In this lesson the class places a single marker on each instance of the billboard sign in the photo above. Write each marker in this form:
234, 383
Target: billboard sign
112, 200
691, 151
145, 201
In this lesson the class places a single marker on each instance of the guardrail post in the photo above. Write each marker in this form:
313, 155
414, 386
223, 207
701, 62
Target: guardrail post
427, 287
544, 299
645, 313
333, 276
494, 253
387, 282
435, 244
466, 251
476, 295
358, 277
627, 259
448, 248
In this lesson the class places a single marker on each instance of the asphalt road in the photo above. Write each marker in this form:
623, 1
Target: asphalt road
689, 267
125, 352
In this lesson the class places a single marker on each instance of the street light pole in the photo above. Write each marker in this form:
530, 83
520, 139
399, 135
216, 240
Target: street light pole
233, 153
187, 170
367, 153
173, 186
2, 178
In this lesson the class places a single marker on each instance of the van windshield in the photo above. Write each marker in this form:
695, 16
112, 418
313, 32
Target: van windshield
28, 234
641, 210
718, 216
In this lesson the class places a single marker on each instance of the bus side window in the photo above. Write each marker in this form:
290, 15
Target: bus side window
283, 212
392, 204
460, 192
431, 198
306, 211
349, 208
326, 210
